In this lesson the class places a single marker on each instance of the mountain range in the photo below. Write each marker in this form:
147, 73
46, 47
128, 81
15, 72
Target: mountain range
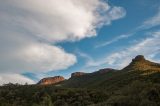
139, 67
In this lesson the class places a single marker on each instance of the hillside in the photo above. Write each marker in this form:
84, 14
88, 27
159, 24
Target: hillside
89, 79
138, 84
107, 78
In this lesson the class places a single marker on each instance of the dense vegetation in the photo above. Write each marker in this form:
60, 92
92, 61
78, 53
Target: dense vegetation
136, 85
16, 95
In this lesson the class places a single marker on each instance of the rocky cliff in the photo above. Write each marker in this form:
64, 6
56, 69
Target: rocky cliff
51, 80
77, 74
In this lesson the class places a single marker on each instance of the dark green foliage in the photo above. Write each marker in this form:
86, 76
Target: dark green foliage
122, 89
32, 95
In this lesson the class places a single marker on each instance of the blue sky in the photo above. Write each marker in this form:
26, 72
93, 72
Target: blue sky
108, 34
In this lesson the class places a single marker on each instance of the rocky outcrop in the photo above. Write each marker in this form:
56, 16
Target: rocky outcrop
105, 70
77, 74
51, 80
141, 64
139, 58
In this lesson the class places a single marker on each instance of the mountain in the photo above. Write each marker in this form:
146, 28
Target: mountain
51, 80
88, 79
137, 84
138, 67
141, 64
76, 74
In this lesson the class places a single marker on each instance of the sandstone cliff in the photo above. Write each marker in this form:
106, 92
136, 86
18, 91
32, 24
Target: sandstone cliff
51, 80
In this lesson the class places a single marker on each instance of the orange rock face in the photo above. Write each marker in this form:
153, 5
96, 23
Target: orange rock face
51, 80
76, 74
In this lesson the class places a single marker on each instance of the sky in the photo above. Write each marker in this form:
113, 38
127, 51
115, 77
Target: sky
44, 38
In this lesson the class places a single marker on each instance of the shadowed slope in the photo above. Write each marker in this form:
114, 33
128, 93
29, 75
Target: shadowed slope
112, 79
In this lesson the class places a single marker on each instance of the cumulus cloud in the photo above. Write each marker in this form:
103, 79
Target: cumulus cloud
30, 29
14, 78
35, 57
58, 20
21, 53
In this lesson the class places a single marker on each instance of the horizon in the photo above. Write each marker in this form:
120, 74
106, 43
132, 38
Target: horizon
41, 39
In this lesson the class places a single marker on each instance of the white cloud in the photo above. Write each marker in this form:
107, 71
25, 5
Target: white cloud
14, 78
84, 55
151, 22
113, 40
116, 13
28, 27
59, 20
35, 57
